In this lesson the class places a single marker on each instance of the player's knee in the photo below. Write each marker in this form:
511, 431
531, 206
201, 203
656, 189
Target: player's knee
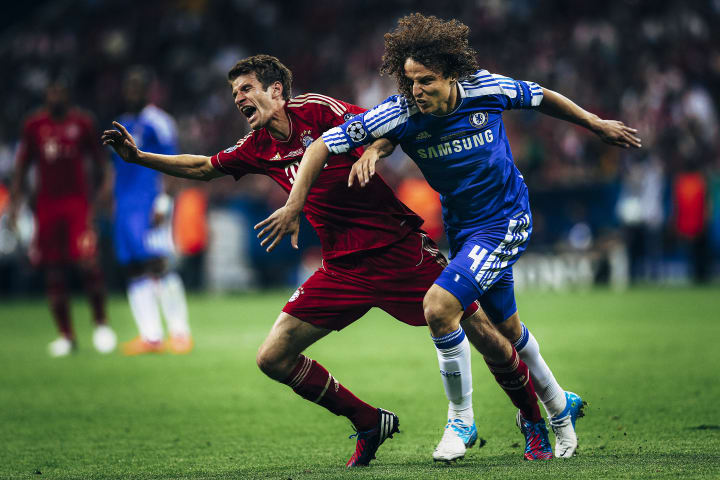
442, 314
157, 266
271, 363
264, 360
434, 317
438, 316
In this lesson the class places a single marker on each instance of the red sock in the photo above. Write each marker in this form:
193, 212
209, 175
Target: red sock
58, 299
311, 381
95, 289
514, 378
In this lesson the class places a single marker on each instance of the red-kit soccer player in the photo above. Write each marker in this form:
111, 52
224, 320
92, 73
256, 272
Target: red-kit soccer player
374, 253
59, 140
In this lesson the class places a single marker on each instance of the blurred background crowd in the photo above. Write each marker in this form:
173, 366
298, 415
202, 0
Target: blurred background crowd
601, 214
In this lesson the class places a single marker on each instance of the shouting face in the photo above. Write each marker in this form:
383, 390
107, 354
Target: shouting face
433, 93
258, 105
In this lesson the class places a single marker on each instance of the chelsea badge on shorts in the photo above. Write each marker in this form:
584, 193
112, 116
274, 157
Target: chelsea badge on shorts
478, 119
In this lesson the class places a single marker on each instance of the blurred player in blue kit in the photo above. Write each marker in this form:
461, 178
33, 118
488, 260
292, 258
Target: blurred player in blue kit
448, 119
143, 237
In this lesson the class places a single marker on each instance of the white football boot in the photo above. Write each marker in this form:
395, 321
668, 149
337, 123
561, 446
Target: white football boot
456, 439
104, 339
563, 426
60, 347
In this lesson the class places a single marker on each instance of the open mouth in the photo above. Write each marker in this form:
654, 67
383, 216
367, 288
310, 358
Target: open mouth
248, 111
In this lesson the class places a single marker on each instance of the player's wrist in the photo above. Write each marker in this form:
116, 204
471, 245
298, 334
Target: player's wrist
293, 207
377, 152
140, 157
594, 123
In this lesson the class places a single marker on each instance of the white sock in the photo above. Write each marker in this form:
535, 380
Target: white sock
143, 303
174, 306
547, 388
453, 351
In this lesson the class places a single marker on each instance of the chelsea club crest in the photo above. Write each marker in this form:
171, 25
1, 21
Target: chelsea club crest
478, 119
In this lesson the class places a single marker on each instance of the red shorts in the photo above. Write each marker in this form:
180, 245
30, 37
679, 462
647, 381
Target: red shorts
393, 278
63, 232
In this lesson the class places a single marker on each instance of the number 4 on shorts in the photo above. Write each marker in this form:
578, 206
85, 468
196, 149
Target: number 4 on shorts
477, 257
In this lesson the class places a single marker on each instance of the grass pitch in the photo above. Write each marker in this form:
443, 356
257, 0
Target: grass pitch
646, 361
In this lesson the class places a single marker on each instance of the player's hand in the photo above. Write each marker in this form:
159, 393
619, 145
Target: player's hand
283, 221
162, 206
364, 169
617, 133
122, 142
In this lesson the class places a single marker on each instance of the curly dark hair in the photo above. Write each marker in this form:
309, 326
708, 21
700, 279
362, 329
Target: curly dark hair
442, 46
267, 69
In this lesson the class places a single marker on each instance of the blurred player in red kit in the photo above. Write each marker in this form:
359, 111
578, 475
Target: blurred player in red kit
374, 252
59, 140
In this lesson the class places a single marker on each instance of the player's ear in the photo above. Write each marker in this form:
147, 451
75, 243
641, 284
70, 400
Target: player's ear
277, 89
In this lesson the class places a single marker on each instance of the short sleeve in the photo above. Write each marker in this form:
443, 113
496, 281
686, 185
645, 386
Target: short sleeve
510, 93
238, 160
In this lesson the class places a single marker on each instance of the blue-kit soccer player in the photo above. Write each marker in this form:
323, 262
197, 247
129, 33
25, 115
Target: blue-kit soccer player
448, 119
143, 237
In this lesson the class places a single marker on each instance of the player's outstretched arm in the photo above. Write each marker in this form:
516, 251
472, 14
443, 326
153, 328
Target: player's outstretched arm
197, 167
613, 132
364, 168
286, 220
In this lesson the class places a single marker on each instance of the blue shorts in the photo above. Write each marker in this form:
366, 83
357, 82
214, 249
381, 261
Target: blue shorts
135, 239
481, 268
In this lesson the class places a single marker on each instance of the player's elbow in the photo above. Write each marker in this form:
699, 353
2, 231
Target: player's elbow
205, 171
203, 176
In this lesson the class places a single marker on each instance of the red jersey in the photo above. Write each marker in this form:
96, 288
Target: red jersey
59, 149
347, 220
690, 203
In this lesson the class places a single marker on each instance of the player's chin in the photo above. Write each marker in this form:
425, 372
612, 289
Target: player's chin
424, 107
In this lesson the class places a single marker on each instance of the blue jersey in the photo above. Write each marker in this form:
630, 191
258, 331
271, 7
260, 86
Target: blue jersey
154, 131
136, 187
464, 155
